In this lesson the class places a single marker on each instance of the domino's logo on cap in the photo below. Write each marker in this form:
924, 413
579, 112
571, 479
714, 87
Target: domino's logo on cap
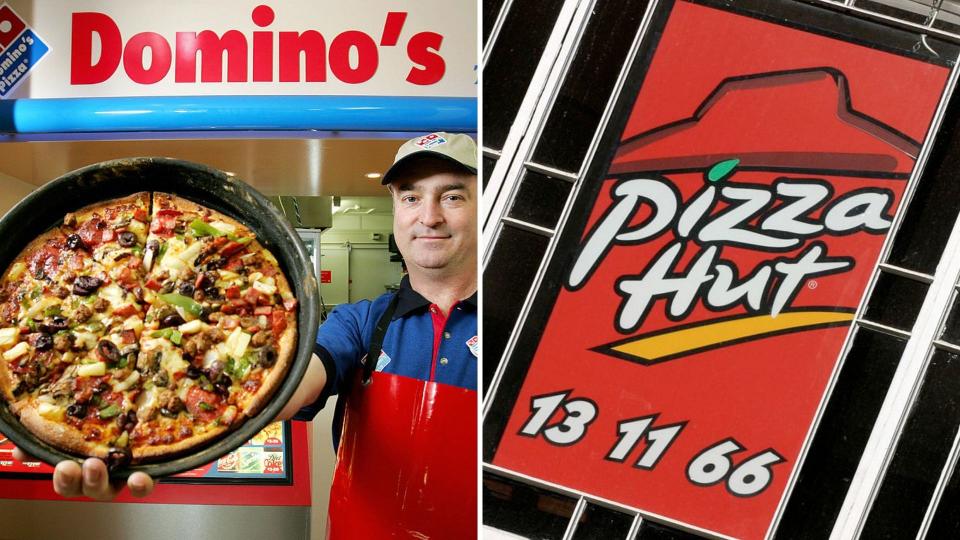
429, 141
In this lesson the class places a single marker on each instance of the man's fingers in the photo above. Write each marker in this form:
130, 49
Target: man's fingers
140, 484
20, 456
96, 483
68, 479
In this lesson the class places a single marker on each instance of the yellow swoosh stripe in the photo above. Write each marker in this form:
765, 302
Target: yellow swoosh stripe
653, 348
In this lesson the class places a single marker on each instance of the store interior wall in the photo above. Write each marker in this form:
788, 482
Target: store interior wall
11, 191
354, 251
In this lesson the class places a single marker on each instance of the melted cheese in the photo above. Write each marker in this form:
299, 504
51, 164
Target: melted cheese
50, 411
173, 362
127, 383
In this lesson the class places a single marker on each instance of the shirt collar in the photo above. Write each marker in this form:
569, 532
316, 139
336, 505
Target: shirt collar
410, 300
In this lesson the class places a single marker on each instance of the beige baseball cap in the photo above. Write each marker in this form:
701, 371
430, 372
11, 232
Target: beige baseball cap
454, 147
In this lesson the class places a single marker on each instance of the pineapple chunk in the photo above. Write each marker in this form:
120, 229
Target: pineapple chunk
17, 351
16, 271
96, 369
191, 327
9, 336
223, 227
265, 288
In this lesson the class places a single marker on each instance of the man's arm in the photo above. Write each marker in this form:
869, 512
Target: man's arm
309, 389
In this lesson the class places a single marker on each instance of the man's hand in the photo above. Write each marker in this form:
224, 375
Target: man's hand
70, 479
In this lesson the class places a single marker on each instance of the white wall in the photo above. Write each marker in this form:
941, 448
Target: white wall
354, 250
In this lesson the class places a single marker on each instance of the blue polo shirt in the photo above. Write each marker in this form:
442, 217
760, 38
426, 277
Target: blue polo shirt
344, 338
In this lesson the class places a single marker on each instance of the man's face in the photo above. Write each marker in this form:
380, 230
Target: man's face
435, 218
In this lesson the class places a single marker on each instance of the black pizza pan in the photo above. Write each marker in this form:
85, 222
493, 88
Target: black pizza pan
46, 207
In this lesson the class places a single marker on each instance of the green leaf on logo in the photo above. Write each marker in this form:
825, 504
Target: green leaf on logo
722, 170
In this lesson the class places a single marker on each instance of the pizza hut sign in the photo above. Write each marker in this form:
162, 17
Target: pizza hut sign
770, 218
735, 231
721, 254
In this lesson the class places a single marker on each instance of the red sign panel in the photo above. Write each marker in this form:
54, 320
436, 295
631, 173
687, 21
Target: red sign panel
325, 276
729, 244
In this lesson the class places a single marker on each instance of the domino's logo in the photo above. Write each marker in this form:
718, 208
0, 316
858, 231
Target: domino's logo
20, 49
430, 141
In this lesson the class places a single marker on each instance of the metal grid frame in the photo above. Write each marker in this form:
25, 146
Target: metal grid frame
515, 158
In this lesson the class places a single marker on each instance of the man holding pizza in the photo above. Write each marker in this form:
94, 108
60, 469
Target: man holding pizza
424, 346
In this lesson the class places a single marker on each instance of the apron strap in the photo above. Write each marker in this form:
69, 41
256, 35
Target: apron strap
376, 342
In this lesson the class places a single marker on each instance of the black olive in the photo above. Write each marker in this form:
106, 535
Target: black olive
222, 385
128, 421
108, 351
127, 239
173, 319
186, 288
86, 285
166, 288
212, 292
54, 325
193, 372
118, 457
213, 263
44, 342
205, 312
74, 242
76, 410
101, 388
267, 356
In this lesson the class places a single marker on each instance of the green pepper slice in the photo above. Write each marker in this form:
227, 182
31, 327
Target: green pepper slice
185, 302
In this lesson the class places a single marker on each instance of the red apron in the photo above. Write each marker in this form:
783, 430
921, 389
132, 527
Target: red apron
407, 461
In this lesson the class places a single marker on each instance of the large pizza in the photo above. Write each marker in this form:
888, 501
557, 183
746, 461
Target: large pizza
142, 327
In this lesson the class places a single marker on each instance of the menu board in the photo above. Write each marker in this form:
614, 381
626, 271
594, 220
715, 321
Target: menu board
264, 459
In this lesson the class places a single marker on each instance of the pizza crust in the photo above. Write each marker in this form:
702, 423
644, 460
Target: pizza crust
137, 200
6, 381
145, 453
287, 348
61, 435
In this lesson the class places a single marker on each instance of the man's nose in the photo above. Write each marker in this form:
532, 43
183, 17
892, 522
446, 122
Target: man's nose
431, 214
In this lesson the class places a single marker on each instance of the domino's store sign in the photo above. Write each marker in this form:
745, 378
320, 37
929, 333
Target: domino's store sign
117, 48
20, 50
